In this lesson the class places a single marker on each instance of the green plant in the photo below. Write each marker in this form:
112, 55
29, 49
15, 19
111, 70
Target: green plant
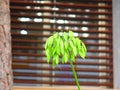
64, 47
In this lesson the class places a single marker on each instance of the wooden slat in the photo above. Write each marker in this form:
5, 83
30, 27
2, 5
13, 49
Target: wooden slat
64, 24
42, 35
27, 41
98, 1
44, 62
105, 1
58, 30
61, 82
69, 24
18, 8
94, 1
28, 67
43, 55
42, 48
59, 4
42, 41
61, 76
61, 17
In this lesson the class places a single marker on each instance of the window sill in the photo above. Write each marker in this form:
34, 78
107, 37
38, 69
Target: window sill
57, 88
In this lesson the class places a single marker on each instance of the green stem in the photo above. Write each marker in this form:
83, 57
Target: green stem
75, 75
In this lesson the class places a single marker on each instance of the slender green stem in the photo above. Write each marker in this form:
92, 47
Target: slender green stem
75, 75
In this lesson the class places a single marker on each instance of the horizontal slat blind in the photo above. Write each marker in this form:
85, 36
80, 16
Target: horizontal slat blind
33, 21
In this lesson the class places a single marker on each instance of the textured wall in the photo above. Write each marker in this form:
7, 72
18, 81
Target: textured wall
5, 47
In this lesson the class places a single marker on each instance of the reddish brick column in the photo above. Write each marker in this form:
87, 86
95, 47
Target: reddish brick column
6, 79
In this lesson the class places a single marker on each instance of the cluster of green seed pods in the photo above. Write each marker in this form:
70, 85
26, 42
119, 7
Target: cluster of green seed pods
64, 47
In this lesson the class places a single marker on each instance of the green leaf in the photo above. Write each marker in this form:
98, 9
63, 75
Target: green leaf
72, 57
55, 35
83, 45
82, 50
56, 59
58, 51
71, 34
66, 45
49, 42
48, 56
65, 58
73, 48
77, 44
61, 44
65, 36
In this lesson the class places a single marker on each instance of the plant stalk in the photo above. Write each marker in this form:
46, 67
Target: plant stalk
75, 75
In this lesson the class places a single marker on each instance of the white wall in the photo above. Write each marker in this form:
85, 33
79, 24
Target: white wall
116, 42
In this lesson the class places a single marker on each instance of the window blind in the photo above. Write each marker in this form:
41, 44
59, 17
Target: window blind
33, 21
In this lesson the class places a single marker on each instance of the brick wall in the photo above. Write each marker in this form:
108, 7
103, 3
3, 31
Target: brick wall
5, 47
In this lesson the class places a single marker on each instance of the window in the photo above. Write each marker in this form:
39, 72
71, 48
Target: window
33, 21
